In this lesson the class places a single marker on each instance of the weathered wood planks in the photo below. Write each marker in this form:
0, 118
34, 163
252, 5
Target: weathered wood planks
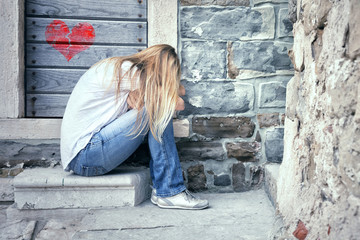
54, 66
43, 55
45, 80
88, 8
45, 105
107, 32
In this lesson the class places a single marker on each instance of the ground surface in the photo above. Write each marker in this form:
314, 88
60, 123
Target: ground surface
242, 216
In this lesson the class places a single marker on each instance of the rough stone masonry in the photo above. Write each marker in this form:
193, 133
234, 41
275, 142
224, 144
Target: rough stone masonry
319, 184
235, 68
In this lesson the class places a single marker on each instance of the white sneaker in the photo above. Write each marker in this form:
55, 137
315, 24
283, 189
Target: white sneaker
154, 198
183, 200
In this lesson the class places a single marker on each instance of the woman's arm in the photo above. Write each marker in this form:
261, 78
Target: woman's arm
180, 104
181, 90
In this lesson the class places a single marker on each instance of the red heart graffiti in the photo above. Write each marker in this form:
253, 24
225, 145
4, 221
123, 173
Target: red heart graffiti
68, 43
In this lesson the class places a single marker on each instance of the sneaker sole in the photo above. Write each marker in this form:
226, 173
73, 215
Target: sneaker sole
153, 202
180, 207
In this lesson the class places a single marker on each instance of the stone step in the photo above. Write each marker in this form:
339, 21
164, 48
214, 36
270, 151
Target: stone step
271, 177
50, 188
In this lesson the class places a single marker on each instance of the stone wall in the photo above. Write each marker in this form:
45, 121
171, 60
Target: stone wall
235, 67
318, 188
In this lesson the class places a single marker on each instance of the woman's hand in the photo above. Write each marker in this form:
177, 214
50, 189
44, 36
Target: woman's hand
180, 104
132, 99
181, 91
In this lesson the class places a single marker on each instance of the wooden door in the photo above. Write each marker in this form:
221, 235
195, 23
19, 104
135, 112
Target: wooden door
65, 37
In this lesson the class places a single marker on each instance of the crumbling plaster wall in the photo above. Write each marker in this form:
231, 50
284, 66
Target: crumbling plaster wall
320, 174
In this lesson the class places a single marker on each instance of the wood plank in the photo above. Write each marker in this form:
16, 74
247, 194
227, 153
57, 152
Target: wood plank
46, 105
105, 31
52, 80
45, 55
88, 8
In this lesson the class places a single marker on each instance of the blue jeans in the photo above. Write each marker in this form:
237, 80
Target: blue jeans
112, 145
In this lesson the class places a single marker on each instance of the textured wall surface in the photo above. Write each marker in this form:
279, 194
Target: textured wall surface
12, 59
158, 19
320, 173
235, 68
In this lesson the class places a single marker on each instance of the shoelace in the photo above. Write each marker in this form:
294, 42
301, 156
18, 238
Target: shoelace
189, 194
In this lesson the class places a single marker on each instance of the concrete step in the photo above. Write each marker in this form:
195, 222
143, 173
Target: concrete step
271, 177
50, 188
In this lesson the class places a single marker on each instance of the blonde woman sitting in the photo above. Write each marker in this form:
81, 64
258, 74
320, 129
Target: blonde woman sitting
116, 104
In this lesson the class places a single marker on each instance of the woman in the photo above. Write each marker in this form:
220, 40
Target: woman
114, 106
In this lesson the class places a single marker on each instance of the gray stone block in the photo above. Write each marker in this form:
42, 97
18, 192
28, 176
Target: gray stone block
223, 127
227, 23
243, 151
238, 177
197, 151
256, 177
49, 188
272, 94
217, 97
292, 10
274, 145
222, 180
268, 119
261, 56
285, 26
196, 178
203, 60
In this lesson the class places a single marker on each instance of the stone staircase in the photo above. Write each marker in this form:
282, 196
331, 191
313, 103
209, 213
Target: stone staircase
51, 188
51, 202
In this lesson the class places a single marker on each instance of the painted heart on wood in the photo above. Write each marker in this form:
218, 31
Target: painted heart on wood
69, 43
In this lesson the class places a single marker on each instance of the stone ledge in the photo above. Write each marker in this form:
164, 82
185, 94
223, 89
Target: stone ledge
49, 188
271, 177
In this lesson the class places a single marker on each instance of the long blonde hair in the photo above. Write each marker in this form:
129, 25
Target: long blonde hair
158, 70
